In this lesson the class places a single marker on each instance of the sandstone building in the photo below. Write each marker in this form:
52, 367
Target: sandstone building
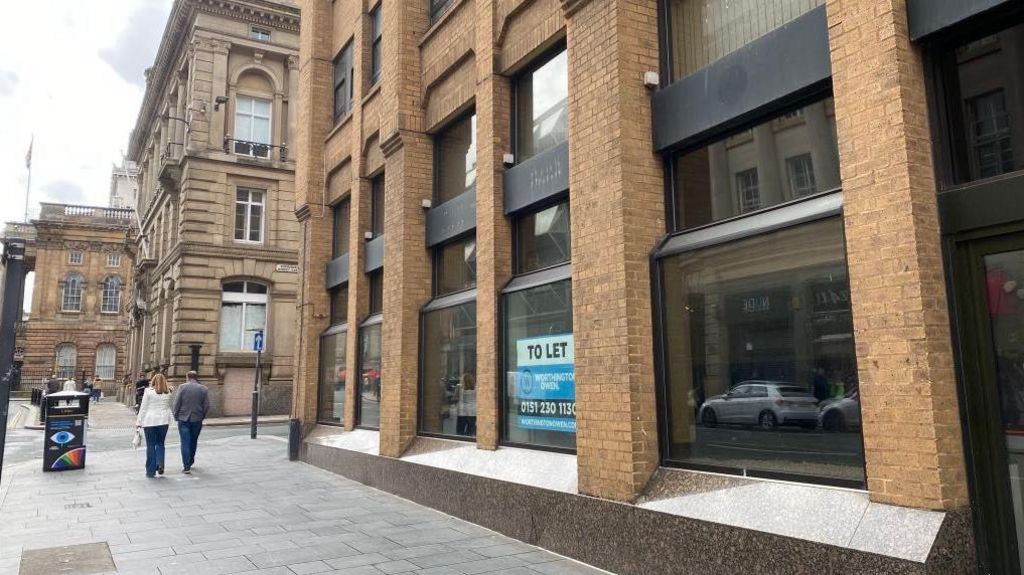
644, 282
219, 240
82, 257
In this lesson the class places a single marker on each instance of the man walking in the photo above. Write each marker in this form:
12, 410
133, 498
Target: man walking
191, 404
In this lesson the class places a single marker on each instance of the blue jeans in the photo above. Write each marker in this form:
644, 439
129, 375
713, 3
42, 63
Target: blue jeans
155, 437
189, 433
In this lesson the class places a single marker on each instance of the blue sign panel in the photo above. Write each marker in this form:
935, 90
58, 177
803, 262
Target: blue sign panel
257, 341
546, 383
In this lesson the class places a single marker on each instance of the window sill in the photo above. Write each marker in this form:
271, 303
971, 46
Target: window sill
237, 358
373, 91
340, 124
440, 22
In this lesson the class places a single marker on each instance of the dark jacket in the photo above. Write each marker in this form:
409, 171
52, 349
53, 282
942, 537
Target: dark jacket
191, 402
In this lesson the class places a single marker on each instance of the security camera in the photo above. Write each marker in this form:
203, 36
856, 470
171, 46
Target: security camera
218, 101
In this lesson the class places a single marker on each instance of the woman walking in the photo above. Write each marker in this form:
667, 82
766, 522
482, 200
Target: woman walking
154, 418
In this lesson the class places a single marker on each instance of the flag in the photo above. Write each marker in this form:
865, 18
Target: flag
28, 156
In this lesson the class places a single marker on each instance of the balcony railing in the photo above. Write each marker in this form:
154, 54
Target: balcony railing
84, 214
254, 149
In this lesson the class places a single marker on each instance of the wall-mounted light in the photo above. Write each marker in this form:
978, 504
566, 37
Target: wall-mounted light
218, 101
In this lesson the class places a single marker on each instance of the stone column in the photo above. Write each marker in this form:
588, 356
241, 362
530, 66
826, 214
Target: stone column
314, 121
912, 439
293, 101
617, 200
493, 245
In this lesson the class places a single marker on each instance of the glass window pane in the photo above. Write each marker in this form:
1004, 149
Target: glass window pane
369, 376
985, 105
339, 305
261, 130
704, 31
455, 266
779, 160
240, 217
760, 354
540, 380
106, 356
236, 287
261, 107
341, 228
333, 373
543, 239
449, 371
255, 222
542, 108
253, 287
255, 320
376, 291
456, 159
231, 327
377, 205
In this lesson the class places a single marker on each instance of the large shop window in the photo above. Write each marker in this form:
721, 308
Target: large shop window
704, 31
448, 403
542, 107
759, 356
785, 158
539, 401
333, 374
369, 376
984, 105
455, 159
243, 312
540, 382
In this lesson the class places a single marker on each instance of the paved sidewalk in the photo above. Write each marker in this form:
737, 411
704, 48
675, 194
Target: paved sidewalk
115, 415
245, 509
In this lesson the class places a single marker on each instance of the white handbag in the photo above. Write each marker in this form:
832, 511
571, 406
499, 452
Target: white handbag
137, 438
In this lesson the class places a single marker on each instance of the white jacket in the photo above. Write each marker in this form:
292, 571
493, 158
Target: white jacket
155, 409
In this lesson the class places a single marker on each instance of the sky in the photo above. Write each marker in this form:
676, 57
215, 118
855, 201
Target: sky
71, 75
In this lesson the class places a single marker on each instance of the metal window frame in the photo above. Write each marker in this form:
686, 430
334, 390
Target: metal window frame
561, 45
374, 319
466, 115
333, 330
346, 78
447, 301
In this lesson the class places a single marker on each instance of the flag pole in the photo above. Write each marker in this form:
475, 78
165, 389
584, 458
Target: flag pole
28, 184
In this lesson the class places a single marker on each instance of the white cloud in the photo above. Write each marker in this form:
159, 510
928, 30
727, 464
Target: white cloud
75, 82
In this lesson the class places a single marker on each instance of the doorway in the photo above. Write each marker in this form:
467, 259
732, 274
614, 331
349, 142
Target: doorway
988, 286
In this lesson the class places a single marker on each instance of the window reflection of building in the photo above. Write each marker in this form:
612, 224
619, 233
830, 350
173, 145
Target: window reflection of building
782, 159
988, 89
772, 308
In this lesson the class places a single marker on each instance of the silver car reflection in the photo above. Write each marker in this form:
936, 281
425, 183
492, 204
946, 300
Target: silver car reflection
840, 414
766, 404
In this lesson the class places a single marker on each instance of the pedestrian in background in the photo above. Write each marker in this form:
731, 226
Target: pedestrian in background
154, 418
140, 387
87, 388
97, 389
191, 405
70, 385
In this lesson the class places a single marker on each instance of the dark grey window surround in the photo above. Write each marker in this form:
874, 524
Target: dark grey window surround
536, 180
337, 271
450, 300
452, 218
777, 217
335, 329
374, 254
375, 319
538, 278
784, 64
989, 202
926, 17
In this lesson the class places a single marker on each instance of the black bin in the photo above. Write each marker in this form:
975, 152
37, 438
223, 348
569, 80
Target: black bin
64, 439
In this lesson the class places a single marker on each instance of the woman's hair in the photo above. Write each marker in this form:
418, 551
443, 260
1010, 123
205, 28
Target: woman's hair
468, 381
159, 383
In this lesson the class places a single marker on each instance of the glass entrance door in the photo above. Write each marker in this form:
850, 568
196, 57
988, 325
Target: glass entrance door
989, 284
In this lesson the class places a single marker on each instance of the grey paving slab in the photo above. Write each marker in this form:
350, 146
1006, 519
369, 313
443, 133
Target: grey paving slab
284, 518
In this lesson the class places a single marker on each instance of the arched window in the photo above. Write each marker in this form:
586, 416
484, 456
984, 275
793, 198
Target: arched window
106, 361
66, 357
243, 312
111, 295
71, 297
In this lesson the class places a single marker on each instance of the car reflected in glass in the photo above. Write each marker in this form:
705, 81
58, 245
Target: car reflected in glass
841, 414
765, 404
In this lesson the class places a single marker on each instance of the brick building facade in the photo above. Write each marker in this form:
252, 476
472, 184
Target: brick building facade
219, 241
82, 257
671, 272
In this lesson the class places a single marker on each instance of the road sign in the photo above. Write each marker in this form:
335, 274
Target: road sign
257, 341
